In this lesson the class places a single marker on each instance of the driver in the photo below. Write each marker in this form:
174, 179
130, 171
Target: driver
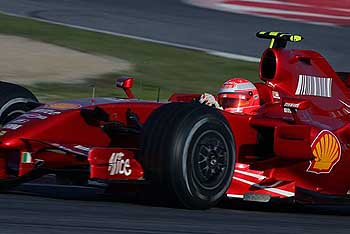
236, 95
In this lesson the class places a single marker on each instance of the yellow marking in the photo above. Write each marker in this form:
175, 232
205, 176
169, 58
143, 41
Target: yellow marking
326, 152
315, 154
323, 146
326, 145
318, 152
335, 152
296, 38
63, 106
333, 147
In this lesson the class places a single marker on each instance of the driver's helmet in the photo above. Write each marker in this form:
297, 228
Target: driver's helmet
239, 95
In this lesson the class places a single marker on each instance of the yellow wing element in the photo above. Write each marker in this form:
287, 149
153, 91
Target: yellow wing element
279, 39
327, 151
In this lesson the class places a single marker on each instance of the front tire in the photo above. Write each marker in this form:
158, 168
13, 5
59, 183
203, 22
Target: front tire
14, 101
189, 149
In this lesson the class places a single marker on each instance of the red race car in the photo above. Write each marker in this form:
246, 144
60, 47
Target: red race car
295, 147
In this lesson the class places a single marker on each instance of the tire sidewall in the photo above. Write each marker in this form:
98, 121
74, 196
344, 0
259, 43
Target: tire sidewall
14, 107
14, 100
188, 189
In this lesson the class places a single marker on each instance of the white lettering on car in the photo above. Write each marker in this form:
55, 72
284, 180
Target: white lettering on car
119, 166
291, 105
83, 148
12, 126
34, 116
287, 110
20, 121
46, 111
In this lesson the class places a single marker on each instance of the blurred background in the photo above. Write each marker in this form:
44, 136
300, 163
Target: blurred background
174, 45
62, 49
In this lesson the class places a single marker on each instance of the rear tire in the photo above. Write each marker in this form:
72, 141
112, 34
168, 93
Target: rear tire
189, 150
14, 101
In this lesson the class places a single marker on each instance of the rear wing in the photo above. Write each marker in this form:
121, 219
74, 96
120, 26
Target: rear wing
279, 39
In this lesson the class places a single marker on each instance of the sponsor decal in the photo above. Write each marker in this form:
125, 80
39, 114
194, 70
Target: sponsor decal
276, 95
63, 106
344, 103
346, 111
342, 112
83, 148
291, 105
327, 151
12, 126
2, 133
69, 149
287, 110
314, 86
270, 84
230, 87
26, 157
119, 166
115, 99
34, 116
47, 111
20, 121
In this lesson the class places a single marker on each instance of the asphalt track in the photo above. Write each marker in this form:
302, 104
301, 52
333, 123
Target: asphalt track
77, 210
175, 22
61, 209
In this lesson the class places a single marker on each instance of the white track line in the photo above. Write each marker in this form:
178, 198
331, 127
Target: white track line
208, 51
248, 9
215, 4
275, 2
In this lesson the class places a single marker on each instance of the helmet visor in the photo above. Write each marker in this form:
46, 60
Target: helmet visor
232, 102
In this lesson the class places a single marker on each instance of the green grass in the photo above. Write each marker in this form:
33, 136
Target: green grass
155, 66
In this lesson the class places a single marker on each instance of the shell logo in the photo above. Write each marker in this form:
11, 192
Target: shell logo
327, 151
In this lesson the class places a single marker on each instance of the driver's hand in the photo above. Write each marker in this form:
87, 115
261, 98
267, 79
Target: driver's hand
209, 100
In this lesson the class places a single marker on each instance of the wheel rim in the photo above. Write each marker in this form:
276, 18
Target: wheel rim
209, 160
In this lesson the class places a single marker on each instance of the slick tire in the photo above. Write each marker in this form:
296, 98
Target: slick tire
188, 149
14, 101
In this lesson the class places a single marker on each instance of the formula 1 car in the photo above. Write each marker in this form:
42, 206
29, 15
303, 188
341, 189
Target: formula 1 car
295, 148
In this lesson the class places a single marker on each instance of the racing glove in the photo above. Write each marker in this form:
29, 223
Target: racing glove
209, 100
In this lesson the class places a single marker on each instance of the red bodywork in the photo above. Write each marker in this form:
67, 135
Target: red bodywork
296, 146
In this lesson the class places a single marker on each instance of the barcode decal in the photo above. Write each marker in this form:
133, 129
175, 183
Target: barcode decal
314, 86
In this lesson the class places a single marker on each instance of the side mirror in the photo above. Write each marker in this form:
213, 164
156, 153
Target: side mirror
126, 83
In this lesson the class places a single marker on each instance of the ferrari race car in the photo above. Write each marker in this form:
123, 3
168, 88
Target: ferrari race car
294, 148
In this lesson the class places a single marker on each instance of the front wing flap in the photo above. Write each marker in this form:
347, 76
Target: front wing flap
114, 164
